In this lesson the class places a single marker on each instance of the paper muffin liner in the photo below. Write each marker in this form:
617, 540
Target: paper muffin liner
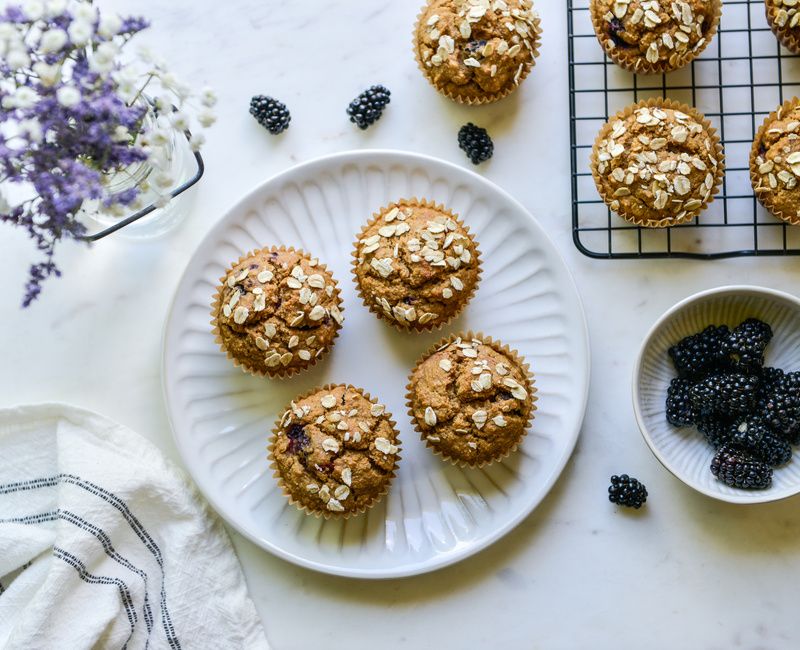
498, 346
785, 34
637, 63
535, 40
328, 514
416, 327
657, 102
279, 372
765, 195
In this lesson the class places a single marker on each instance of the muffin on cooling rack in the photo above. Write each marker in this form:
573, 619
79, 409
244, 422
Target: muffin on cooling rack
276, 311
416, 265
775, 162
657, 163
334, 451
783, 17
477, 51
654, 36
471, 399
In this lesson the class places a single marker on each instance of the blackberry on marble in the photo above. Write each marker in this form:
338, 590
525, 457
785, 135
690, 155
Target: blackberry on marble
367, 108
627, 491
476, 143
270, 113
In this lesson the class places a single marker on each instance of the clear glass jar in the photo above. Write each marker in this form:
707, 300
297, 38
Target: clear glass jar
182, 165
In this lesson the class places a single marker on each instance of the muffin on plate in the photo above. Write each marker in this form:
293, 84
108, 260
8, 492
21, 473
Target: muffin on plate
477, 51
783, 17
334, 451
654, 36
471, 399
775, 162
657, 163
276, 312
416, 265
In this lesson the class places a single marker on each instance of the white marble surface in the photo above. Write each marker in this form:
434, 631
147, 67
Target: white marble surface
687, 572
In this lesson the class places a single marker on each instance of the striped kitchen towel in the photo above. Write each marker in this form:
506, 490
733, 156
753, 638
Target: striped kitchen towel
105, 544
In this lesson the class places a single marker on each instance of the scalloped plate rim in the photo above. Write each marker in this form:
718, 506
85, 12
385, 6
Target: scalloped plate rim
747, 498
439, 561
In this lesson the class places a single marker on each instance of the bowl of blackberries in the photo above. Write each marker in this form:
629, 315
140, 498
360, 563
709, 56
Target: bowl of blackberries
716, 393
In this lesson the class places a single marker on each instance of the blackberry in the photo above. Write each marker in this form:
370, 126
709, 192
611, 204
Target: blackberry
270, 113
753, 434
475, 142
781, 406
747, 344
727, 393
716, 429
298, 439
734, 466
773, 450
770, 378
680, 412
367, 108
698, 355
748, 431
627, 491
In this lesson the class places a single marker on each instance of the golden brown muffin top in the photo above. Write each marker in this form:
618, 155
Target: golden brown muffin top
335, 450
660, 31
656, 164
477, 48
471, 401
279, 309
416, 264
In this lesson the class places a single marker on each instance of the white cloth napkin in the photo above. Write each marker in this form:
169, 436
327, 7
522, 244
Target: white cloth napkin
105, 544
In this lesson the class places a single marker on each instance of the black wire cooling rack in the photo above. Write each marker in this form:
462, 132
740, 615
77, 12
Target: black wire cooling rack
742, 76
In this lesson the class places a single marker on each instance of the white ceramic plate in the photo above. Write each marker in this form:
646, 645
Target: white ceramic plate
435, 514
684, 452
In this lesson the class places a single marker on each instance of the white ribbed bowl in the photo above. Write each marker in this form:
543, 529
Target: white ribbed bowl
435, 513
684, 452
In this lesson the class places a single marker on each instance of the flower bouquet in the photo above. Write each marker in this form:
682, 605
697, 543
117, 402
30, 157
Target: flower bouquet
85, 126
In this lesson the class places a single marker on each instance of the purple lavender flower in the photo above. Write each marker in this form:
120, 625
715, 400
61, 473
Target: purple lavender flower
67, 131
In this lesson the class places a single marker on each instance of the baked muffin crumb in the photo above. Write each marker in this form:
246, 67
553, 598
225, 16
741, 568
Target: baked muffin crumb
654, 36
277, 311
471, 399
335, 450
477, 51
416, 265
657, 163
775, 162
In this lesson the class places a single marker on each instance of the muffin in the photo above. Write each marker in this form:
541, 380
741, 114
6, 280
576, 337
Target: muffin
276, 312
334, 451
471, 399
477, 51
775, 162
654, 36
416, 265
657, 163
783, 17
